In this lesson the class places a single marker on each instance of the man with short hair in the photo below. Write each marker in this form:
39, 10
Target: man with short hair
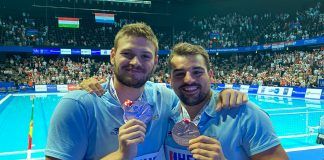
197, 131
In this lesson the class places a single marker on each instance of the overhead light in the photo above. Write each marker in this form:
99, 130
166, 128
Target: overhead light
129, 1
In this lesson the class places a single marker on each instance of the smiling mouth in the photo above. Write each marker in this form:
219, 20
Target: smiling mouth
190, 90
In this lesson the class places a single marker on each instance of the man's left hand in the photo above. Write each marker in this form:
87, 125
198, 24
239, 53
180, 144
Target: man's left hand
228, 98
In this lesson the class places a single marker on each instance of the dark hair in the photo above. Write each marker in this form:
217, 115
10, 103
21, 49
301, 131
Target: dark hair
184, 49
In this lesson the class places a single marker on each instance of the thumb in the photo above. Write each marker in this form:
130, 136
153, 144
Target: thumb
103, 80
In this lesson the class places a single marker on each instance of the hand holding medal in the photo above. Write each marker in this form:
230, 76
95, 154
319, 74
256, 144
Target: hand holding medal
130, 135
186, 133
204, 147
136, 114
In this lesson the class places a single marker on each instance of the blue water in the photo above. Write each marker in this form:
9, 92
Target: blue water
15, 115
294, 120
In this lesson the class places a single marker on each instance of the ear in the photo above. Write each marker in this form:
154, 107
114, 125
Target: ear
112, 56
156, 60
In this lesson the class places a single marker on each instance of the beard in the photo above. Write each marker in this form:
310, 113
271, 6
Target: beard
133, 81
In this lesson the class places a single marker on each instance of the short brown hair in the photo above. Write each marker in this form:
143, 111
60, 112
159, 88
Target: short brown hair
138, 30
185, 49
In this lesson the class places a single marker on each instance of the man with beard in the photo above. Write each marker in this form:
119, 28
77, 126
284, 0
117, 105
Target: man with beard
86, 126
197, 131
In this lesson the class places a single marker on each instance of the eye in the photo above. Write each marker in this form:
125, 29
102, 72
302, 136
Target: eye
198, 73
126, 54
146, 57
178, 74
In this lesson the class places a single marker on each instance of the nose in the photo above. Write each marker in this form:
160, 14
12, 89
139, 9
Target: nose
188, 78
134, 61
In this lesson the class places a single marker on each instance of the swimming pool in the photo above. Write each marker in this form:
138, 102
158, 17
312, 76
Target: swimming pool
294, 120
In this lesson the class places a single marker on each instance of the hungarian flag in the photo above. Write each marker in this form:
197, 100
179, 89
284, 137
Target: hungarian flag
104, 18
67, 22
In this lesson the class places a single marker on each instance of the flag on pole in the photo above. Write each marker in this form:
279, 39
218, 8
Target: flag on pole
104, 18
31, 127
67, 22
30, 139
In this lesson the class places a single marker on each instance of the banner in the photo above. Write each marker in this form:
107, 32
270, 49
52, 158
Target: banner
85, 51
40, 88
236, 87
66, 51
72, 87
51, 88
62, 88
67, 22
313, 93
220, 87
228, 85
104, 18
26, 88
287, 91
253, 89
313, 41
105, 52
299, 92
278, 91
244, 88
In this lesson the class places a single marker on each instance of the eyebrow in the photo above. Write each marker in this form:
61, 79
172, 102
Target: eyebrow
177, 70
200, 68
194, 68
131, 50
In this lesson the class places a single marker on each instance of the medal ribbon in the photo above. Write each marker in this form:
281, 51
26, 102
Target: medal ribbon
113, 92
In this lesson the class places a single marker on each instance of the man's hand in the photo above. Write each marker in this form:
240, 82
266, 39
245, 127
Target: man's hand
92, 85
130, 135
206, 148
230, 98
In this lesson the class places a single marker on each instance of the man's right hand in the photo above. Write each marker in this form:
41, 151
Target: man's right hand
204, 147
92, 85
130, 135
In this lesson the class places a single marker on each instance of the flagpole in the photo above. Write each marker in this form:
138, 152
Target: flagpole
31, 127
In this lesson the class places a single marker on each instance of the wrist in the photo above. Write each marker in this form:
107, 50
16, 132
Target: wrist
117, 155
121, 155
124, 156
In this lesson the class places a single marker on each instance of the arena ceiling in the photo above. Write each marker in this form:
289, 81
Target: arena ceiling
174, 8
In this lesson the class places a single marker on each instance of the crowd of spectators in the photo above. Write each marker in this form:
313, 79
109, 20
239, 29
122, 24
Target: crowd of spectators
51, 70
235, 30
231, 30
290, 68
287, 68
284, 68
